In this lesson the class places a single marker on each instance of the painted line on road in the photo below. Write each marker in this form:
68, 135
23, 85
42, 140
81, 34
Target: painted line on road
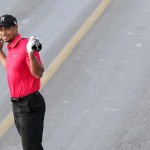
66, 51
62, 56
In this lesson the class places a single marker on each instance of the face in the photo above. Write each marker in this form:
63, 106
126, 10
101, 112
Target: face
8, 34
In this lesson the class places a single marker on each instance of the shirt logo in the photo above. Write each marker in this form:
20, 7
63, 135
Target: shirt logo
3, 18
15, 55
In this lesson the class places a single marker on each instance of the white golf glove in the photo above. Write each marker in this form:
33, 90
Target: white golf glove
31, 42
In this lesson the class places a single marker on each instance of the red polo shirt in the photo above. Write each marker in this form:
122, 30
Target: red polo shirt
20, 80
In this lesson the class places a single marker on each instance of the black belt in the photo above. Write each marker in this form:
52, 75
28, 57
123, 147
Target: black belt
20, 99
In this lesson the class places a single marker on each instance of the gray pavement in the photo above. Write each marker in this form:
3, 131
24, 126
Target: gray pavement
99, 98
54, 22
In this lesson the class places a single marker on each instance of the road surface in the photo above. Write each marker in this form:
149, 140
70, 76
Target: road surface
99, 99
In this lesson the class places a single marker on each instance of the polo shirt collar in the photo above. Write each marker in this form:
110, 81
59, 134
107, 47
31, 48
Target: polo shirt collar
15, 41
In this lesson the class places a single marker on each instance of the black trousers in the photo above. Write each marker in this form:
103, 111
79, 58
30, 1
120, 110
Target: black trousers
29, 121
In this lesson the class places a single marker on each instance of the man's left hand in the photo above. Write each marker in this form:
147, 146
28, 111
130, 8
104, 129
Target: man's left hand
30, 44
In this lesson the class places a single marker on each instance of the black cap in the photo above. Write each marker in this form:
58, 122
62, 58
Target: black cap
7, 21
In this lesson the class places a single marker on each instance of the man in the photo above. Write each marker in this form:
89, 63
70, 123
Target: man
24, 70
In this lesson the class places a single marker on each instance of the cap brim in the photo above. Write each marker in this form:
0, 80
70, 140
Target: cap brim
5, 25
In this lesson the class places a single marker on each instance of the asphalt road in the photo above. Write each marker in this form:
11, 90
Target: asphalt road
54, 22
100, 97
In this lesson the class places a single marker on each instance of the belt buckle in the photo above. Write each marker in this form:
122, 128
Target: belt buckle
14, 99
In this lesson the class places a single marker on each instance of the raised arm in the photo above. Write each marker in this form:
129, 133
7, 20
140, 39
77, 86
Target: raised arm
2, 54
36, 68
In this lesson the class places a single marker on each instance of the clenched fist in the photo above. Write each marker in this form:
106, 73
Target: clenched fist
33, 44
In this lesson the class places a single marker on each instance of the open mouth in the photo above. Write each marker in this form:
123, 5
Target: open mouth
5, 38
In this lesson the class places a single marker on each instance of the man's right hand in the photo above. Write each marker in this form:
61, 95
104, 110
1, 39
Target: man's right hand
2, 54
1, 44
